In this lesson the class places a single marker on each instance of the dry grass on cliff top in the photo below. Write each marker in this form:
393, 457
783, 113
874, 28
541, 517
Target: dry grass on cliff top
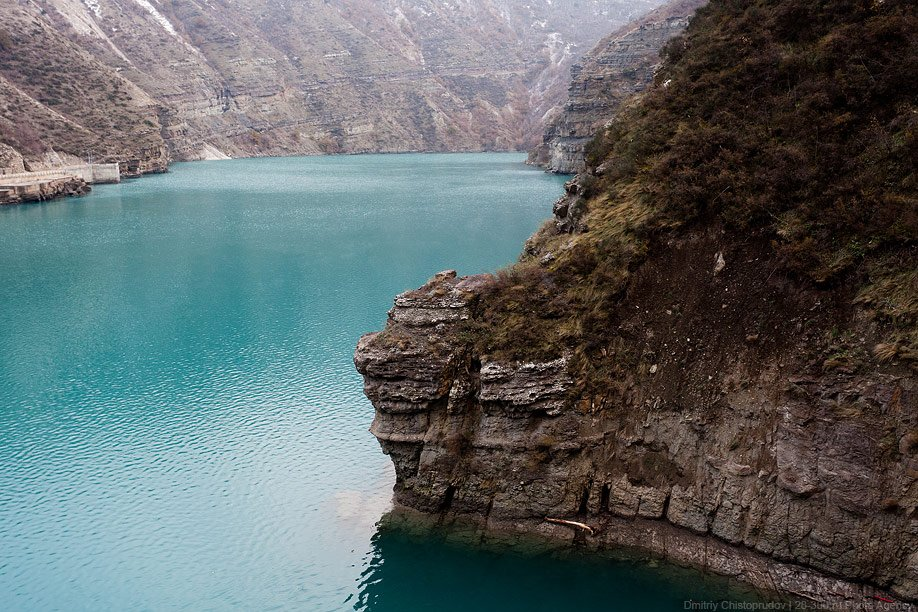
794, 121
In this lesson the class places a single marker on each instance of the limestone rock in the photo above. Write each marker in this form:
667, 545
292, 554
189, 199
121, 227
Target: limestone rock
248, 78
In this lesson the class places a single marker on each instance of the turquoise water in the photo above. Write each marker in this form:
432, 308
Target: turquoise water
181, 425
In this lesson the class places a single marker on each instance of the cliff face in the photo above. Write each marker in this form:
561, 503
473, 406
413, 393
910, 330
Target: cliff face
730, 444
259, 77
690, 358
620, 66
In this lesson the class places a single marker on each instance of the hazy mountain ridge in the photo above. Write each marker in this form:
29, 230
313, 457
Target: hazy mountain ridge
263, 77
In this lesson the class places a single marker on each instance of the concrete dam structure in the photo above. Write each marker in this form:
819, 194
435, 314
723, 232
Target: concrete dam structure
55, 182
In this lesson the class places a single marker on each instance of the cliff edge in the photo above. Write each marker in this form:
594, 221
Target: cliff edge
710, 352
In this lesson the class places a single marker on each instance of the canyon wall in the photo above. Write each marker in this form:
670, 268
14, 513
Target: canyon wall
620, 66
59, 104
259, 77
710, 352
731, 443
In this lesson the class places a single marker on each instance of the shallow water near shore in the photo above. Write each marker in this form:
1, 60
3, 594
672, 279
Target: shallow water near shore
181, 425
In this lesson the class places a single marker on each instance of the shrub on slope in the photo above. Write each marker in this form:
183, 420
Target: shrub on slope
792, 122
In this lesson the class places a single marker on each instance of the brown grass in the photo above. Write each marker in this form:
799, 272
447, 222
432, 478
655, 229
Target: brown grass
790, 119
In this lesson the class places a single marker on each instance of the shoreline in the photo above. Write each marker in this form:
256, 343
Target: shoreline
42, 189
73, 189
646, 540
55, 183
501, 441
356, 154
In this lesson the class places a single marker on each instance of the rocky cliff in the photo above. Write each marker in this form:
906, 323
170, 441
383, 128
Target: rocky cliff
726, 446
260, 77
620, 66
710, 352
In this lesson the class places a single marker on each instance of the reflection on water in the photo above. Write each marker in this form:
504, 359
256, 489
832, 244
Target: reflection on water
451, 570
181, 424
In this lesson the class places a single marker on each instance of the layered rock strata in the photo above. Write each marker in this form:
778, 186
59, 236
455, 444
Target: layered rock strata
725, 380
252, 77
726, 447
620, 66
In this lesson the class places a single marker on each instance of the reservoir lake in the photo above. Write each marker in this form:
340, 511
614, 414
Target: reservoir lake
181, 424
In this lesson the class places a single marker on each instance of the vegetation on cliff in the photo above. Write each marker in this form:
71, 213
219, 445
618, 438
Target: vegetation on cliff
789, 123
250, 77
732, 285
617, 68
56, 99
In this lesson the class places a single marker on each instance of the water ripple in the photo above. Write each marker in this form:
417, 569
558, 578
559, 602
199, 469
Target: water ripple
181, 424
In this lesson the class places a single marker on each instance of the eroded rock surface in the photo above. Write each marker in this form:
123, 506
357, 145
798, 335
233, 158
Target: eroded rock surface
702, 392
59, 105
250, 77
726, 451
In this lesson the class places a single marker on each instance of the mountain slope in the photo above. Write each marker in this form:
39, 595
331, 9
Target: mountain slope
260, 77
58, 103
614, 71
795, 123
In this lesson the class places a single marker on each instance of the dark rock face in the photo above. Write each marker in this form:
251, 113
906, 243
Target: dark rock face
619, 67
723, 448
569, 209
727, 411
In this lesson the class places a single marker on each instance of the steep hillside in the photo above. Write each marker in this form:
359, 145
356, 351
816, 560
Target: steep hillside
620, 66
262, 77
711, 351
58, 103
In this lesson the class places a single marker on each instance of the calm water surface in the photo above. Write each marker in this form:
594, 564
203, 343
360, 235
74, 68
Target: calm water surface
181, 425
